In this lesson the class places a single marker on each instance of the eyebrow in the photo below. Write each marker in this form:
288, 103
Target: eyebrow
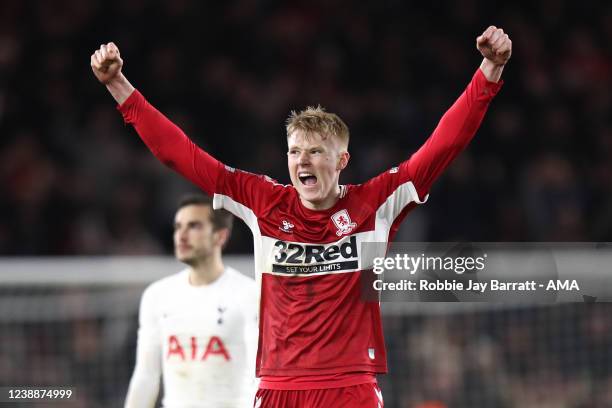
293, 147
194, 222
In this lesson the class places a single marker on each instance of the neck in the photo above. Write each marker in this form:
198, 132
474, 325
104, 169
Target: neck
324, 204
206, 272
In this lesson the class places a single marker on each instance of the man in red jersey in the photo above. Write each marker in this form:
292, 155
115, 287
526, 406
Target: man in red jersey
320, 343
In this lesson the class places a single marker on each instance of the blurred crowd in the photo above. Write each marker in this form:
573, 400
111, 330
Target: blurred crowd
536, 357
75, 180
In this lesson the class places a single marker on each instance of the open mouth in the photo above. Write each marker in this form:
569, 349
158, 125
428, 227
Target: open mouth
307, 179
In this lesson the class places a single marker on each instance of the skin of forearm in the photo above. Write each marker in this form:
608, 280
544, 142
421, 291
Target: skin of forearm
120, 88
491, 71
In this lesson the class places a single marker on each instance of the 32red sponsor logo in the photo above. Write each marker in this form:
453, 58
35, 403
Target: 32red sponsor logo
295, 253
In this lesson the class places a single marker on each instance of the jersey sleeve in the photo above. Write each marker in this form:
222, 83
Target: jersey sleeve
144, 384
454, 132
248, 196
171, 146
410, 182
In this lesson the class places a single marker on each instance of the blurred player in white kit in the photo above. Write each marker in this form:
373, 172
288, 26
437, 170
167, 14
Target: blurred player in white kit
198, 328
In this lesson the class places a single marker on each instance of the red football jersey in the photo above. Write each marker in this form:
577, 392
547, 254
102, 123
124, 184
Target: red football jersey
313, 320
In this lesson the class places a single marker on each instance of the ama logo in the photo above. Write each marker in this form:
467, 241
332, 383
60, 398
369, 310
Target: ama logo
343, 223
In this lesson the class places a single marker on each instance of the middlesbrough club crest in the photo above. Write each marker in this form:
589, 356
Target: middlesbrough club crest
343, 222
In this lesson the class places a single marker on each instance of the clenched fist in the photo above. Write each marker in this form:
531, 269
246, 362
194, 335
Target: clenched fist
495, 45
106, 63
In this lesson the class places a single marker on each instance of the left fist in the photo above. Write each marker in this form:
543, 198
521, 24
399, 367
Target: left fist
495, 45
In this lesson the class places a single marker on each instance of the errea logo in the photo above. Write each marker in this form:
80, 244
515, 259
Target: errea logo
343, 222
286, 227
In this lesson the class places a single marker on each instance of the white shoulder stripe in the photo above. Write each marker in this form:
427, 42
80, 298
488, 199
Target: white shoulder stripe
415, 195
403, 195
248, 216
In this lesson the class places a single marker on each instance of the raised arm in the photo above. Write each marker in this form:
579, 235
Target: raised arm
106, 64
459, 124
165, 140
496, 48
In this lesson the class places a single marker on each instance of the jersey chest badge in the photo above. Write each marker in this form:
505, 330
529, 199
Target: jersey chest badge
221, 310
343, 223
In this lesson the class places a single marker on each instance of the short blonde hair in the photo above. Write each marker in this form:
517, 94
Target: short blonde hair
317, 120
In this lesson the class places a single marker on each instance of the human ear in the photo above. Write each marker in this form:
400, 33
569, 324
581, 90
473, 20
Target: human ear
221, 237
343, 160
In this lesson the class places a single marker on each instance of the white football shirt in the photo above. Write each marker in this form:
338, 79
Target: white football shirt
202, 340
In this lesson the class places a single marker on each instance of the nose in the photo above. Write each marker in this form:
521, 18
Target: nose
181, 234
304, 158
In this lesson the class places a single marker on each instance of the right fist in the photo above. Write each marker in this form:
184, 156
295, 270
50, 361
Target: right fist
106, 63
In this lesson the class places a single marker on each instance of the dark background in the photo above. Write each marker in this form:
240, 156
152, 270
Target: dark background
75, 180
